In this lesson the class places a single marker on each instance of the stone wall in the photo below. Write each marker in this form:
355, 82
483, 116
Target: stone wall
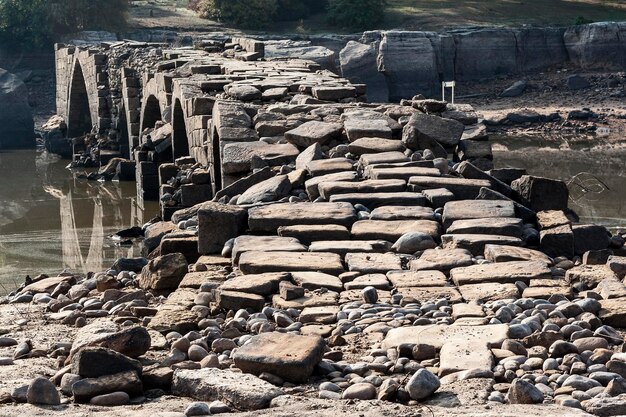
400, 64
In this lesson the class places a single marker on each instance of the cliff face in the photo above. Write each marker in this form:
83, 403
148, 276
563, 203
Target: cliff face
401, 64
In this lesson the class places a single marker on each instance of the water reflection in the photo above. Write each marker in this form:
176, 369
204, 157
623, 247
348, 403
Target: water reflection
594, 168
50, 221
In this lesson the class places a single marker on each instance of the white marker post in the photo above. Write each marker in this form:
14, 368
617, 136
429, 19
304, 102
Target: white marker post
447, 84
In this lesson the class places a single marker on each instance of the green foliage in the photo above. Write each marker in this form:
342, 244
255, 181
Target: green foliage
582, 20
24, 23
356, 14
247, 14
33, 24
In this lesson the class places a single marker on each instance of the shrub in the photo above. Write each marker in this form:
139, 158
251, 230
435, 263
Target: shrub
356, 14
248, 14
37, 23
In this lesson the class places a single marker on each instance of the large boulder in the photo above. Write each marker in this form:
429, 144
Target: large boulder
359, 65
17, 128
164, 273
410, 63
598, 45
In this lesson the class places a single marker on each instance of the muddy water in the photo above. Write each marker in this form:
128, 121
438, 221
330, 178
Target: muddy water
595, 170
50, 221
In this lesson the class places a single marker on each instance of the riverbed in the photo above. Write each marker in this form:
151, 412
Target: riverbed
50, 220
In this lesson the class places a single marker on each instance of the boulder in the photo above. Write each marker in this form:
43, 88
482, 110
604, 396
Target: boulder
290, 357
313, 132
41, 391
132, 342
538, 193
359, 64
16, 117
217, 223
128, 382
424, 130
269, 190
164, 273
93, 362
242, 391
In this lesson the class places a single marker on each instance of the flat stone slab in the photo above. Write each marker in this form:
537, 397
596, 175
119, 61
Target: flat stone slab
310, 299
611, 288
503, 272
442, 260
371, 263
463, 355
476, 243
349, 296
45, 285
374, 200
288, 356
547, 292
175, 314
408, 279
378, 281
309, 233
343, 247
328, 189
243, 391
320, 315
476, 209
613, 312
503, 227
235, 300
269, 218
462, 188
316, 280
505, 253
367, 145
248, 243
313, 132
260, 284
437, 335
488, 291
591, 275
402, 213
382, 158
196, 279
257, 262
422, 294
391, 230
328, 166
463, 310
402, 173
312, 185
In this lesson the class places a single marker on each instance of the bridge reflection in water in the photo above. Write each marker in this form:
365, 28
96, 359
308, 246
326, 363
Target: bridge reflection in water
50, 221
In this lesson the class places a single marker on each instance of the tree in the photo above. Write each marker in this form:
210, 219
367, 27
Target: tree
356, 14
24, 23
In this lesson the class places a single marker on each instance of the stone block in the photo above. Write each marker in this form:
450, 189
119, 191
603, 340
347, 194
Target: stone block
217, 224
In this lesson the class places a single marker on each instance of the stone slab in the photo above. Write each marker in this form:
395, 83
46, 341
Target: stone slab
257, 262
402, 213
407, 279
309, 233
488, 291
503, 272
328, 189
269, 218
442, 260
436, 335
421, 294
463, 355
374, 200
462, 188
246, 243
392, 230
310, 299
371, 263
476, 209
316, 280
503, 227
476, 243
402, 173
504, 253
343, 247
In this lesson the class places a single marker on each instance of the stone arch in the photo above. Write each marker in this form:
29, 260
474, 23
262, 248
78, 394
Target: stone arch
79, 120
180, 142
151, 112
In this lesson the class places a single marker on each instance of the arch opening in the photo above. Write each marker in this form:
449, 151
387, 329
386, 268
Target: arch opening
180, 142
151, 113
79, 114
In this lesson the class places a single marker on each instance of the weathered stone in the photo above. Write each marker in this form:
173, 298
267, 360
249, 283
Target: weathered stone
343, 247
557, 241
437, 336
589, 237
552, 218
538, 193
371, 200
366, 145
164, 272
262, 284
176, 314
392, 230
270, 218
421, 294
328, 166
422, 384
266, 191
523, 392
462, 188
442, 260
403, 279
456, 357
330, 188
475, 243
41, 391
503, 226
248, 243
132, 342
87, 388
290, 357
217, 224
503, 272
476, 209
256, 262
488, 291
500, 253
313, 132
310, 233
402, 213
243, 391
235, 300
426, 128
371, 263
93, 362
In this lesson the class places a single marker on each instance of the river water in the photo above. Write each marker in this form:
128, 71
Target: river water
49, 220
